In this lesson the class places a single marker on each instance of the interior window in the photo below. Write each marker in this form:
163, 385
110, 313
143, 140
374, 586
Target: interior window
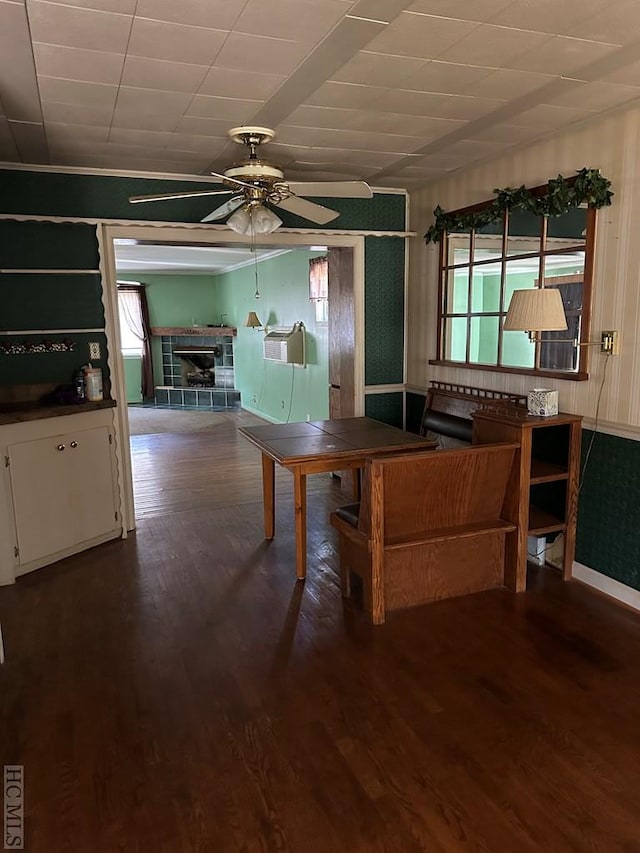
131, 325
479, 270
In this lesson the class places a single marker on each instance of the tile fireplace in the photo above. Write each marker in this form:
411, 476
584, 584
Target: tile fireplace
198, 368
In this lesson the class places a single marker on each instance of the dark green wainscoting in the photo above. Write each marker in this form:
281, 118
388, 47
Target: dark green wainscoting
415, 407
385, 407
609, 508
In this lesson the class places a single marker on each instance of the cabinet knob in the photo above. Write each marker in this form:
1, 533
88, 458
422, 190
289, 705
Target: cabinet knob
61, 447
74, 444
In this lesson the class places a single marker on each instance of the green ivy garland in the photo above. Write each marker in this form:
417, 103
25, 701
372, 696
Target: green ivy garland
562, 194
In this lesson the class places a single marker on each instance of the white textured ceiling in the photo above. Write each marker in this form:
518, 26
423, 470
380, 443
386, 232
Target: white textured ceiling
169, 258
394, 92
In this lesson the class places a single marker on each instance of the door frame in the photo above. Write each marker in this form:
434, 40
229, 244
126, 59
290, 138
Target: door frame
182, 235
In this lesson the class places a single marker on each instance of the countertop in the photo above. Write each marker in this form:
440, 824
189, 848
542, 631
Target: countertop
17, 412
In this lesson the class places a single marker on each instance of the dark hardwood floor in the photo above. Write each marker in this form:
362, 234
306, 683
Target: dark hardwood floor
179, 691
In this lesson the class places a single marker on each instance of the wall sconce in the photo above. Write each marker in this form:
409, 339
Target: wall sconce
540, 309
253, 321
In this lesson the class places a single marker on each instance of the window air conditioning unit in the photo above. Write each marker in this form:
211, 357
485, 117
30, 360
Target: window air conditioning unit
286, 345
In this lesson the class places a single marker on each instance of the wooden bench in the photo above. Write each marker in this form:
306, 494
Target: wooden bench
429, 526
446, 417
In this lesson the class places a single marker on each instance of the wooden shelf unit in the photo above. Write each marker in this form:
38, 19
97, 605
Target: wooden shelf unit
543, 495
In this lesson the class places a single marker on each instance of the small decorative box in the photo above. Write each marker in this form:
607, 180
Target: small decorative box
542, 402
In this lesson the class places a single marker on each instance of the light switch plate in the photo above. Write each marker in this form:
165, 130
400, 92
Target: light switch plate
94, 351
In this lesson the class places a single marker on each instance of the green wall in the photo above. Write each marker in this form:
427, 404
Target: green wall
278, 391
178, 300
133, 378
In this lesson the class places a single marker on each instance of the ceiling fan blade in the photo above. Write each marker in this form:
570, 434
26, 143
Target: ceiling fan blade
331, 189
307, 209
233, 181
228, 207
137, 199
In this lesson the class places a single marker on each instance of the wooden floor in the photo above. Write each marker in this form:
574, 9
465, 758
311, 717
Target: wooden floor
179, 691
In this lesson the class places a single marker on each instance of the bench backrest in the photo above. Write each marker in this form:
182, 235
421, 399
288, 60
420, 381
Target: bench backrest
446, 416
417, 492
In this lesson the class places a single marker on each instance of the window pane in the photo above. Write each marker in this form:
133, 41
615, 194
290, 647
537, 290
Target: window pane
484, 340
561, 270
570, 228
517, 350
520, 275
524, 233
458, 247
457, 291
487, 248
455, 339
485, 290
562, 355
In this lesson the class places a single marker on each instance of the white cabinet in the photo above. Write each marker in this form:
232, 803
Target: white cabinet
62, 487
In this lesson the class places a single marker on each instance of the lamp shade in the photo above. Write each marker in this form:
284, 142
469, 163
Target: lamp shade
254, 218
253, 321
536, 310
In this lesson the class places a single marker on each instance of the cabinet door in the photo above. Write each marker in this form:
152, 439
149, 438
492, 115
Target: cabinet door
62, 490
44, 521
90, 483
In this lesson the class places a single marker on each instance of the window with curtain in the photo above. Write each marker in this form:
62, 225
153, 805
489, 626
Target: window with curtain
319, 287
135, 330
131, 326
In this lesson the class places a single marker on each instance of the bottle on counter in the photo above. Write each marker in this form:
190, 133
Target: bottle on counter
93, 383
79, 384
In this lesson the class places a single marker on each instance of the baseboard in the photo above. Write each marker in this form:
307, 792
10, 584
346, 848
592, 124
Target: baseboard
614, 589
260, 414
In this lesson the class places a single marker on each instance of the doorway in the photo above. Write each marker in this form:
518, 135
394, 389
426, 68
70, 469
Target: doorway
176, 236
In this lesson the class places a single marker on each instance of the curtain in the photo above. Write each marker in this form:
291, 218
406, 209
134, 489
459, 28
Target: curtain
134, 312
318, 278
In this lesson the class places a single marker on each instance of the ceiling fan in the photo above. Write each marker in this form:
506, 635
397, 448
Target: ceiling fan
258, 185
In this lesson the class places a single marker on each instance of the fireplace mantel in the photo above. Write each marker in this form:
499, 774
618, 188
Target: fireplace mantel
204, 331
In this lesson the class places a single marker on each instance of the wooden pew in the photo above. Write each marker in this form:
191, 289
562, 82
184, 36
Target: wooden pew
446, 417
429, 526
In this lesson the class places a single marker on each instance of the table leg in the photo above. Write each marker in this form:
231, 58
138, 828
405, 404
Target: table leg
300, 502
269, 495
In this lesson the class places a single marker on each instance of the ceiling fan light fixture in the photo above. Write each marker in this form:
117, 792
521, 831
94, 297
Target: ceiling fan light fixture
255, 219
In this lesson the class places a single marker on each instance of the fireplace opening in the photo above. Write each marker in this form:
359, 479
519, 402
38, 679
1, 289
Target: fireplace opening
198, 365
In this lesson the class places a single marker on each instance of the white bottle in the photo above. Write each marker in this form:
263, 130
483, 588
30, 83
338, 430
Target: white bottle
93, 383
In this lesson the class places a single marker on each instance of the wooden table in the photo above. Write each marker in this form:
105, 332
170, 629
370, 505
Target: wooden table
317, 447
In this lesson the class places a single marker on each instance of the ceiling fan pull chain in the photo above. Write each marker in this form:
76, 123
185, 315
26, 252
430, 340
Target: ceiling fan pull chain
255, 254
